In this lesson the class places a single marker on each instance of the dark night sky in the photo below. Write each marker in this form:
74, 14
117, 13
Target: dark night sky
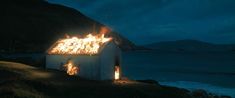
148, 21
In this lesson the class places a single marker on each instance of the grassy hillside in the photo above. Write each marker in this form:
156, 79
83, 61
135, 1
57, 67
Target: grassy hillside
23, 81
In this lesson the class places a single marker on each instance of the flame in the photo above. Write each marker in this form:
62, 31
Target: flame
70, 68
88, 45
117, 73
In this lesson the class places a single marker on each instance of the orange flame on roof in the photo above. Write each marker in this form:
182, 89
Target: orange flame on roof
74, 45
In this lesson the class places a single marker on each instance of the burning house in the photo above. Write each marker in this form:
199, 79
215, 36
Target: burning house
92, 57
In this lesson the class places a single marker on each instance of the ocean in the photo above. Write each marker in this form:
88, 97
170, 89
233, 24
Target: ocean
214, 72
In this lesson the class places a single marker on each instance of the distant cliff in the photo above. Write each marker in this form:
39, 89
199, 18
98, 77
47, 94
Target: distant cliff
33, 25
191, 46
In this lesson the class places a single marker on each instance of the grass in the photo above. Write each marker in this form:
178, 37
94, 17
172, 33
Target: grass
24, 81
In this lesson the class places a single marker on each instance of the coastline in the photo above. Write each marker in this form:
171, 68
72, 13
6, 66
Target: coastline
192, 86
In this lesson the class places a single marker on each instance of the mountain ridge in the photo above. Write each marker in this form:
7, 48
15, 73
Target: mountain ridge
34, 25
190, 45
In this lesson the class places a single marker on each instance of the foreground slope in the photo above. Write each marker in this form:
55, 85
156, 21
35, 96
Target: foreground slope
20, 80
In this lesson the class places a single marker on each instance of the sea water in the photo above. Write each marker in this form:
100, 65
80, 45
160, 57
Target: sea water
214, 72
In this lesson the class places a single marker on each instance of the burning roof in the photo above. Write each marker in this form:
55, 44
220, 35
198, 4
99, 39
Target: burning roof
75, 45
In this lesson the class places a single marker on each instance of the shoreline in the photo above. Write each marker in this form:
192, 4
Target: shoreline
192, 86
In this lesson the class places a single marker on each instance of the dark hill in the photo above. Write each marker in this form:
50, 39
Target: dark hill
190, 45
33, 25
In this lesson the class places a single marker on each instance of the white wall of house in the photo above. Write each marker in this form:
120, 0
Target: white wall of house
94, 67
107, 58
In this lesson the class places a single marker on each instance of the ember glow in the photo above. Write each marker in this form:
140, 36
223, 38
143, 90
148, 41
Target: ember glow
75, 45
117, 73
71, 69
